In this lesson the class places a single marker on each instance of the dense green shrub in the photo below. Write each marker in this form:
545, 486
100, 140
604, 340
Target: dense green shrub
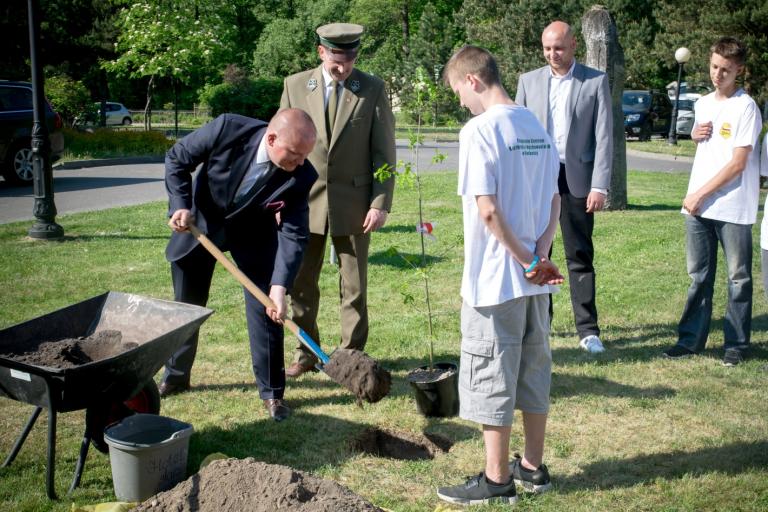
68, 97
259, 98
107, 143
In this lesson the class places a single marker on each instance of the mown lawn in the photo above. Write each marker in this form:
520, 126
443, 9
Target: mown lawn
628, 430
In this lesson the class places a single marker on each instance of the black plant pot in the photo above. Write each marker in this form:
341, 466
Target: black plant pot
437, 392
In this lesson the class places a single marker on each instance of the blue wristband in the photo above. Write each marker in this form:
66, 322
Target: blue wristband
533, 264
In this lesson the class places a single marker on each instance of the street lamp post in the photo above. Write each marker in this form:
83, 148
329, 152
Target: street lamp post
44, 209
682, 55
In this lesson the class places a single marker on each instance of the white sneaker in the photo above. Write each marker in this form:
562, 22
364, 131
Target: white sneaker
592, 344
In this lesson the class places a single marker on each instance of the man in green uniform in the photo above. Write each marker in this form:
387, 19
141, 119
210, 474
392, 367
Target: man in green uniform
356, 136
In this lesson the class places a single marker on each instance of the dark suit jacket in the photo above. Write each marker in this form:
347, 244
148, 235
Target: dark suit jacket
224, 149
589, 146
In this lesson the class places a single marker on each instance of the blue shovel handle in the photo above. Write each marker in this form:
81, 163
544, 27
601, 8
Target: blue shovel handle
312, 346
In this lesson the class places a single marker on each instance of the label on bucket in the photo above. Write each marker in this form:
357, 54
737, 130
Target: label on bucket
20, 375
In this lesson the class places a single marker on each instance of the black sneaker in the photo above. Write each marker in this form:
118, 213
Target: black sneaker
476, 491
732, 357
676, 352
536, 481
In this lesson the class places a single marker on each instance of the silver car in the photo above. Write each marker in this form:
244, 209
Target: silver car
685, 116
116, 114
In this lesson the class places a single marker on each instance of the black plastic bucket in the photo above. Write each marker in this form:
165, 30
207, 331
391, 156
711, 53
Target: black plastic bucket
437, 397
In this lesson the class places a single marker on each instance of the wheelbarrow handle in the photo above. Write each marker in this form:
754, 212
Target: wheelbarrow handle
262, 297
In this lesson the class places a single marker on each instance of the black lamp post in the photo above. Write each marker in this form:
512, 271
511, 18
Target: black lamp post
45, 226
682, 55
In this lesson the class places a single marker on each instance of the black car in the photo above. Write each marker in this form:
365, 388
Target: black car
646, 113
16, 119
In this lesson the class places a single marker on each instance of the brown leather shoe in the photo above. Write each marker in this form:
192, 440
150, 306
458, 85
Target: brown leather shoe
277, 408
168, 389
298, 369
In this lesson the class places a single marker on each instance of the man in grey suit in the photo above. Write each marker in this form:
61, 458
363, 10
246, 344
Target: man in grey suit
573, 102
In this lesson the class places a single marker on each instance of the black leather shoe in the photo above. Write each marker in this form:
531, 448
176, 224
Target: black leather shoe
298, 369
277, 409
168, 389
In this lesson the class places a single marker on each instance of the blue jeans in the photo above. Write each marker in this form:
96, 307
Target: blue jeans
702, 236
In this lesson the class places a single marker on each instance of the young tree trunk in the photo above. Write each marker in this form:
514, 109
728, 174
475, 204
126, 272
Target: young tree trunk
406, 28
148, 106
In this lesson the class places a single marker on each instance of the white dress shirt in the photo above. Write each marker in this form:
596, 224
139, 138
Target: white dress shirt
559, 109
327, 78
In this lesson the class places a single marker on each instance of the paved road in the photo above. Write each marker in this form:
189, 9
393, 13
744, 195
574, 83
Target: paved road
106, 186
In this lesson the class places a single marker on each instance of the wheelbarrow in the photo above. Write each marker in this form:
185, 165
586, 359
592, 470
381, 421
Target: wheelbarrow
157, 327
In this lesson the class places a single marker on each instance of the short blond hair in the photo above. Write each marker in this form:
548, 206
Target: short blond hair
472, 60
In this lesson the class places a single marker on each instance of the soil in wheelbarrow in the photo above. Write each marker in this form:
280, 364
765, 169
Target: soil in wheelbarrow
359, 373
70, 352
246, 484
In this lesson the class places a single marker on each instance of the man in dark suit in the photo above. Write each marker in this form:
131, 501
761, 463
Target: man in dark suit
250, 197
355, 136
573, 102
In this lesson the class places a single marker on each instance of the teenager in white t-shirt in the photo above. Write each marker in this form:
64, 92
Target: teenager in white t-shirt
721, 206
508, 169
764, 224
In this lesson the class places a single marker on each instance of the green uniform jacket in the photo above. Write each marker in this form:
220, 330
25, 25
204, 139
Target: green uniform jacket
363, 140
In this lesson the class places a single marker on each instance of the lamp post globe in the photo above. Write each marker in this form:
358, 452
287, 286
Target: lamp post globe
682, 55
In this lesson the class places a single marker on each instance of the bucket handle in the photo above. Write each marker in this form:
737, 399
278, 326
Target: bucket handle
179, 434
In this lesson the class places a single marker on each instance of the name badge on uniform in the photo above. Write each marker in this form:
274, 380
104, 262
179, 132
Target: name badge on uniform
312, 84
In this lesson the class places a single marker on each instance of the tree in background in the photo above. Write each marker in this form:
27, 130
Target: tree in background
181, 40
512, 31
288, 44
70, 98
431, 45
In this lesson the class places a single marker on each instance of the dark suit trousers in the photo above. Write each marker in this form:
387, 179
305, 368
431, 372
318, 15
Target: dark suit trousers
576, 226
191, 283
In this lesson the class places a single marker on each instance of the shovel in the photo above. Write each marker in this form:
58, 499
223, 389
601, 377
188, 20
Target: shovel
353, 369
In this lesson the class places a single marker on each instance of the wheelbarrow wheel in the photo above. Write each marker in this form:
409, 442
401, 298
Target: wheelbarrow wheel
146, 401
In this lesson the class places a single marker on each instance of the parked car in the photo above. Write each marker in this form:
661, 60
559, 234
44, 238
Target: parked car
646, 113
116, 114
16, 120
685, 115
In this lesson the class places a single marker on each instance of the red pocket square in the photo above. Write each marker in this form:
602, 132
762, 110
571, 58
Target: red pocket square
275, 206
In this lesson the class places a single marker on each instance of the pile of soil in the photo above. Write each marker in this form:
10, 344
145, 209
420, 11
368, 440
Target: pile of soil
70, 352
245, 484
359, 373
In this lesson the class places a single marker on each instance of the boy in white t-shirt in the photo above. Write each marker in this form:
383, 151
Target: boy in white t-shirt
508, 169
721, 205
764, 224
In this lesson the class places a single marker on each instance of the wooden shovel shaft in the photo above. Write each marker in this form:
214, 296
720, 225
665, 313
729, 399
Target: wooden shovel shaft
256, 292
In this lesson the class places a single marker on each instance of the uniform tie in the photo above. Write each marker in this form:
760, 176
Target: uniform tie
333, 101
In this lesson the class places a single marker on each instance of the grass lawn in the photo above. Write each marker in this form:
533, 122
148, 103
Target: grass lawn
628, 430
684, 147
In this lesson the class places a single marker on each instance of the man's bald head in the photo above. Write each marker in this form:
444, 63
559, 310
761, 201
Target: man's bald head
559, 28
559, 45
290, 137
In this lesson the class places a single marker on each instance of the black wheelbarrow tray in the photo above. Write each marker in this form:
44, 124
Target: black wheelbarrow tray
158, 327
